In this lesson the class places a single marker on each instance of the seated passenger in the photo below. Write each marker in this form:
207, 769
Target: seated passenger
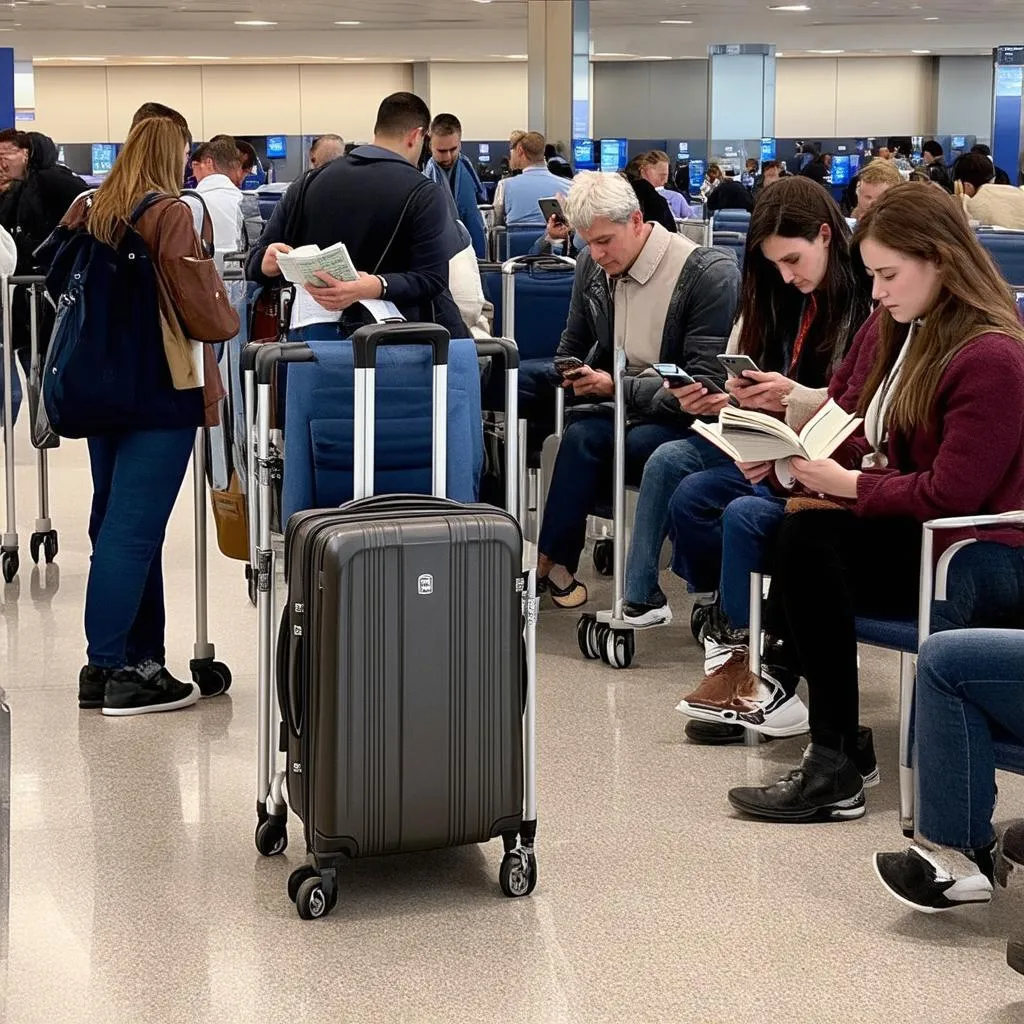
654, 170
997, 205
802, 303
771, 172
937, 442
730, 195
712, 179
518, 201
872, 182
969, 695
665, 300
557, 240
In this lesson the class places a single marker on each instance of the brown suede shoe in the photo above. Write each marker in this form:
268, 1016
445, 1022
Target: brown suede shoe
727, 683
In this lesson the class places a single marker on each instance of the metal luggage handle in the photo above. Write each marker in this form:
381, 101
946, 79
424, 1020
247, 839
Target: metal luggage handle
268, 356
289, 660
367, 340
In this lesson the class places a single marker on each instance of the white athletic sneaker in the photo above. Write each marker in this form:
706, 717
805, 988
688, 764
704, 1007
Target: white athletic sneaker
772, 710
935, 880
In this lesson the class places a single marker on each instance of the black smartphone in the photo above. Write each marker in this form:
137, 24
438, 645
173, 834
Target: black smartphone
568, 366
551, 208
736, 365
671, 373
708, 382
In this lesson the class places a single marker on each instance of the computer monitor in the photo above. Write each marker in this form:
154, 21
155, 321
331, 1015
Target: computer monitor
854, 164
698, 168
1020, 303
767, 149
841, 169
103, 156
959, 141
583, 154
613, 154
277, 147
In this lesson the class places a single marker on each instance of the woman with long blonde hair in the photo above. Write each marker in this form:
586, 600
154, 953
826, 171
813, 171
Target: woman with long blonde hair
138, 457
943, 412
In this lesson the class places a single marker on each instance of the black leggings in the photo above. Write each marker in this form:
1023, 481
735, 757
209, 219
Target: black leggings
829, 567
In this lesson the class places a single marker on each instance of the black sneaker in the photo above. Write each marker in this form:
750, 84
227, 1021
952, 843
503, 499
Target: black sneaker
1015, 954
826, 786
92, 684
864, 758
646, 616
131, 693
936, 880
720, 639
714, 734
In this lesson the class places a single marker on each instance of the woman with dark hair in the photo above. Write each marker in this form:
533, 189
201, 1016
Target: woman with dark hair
803, 299
943, 412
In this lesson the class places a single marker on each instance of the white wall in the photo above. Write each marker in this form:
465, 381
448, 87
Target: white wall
489, 99
854, 96
96, 104
965, 96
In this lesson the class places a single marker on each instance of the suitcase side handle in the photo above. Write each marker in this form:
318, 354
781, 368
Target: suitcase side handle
367, 340
289, 665
268, 356
507, 351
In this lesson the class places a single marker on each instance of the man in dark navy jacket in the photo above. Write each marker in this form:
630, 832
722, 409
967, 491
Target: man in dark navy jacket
396, 224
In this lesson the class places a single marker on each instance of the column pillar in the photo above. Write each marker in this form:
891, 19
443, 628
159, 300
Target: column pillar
6, 87
558, 69
421, 83
1008, 110
741, 101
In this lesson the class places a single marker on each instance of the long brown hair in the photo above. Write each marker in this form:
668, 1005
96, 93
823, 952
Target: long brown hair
770, 308
923, 222
152, 160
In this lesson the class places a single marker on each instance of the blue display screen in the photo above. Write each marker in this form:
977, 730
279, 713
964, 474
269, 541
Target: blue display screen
854, 163
614, 154
767, 149
277, 147
959, 141
583, 154
103, 156
697, 172
841, 170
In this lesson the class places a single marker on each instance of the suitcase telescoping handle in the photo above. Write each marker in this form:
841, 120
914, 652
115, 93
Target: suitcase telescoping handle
506, 353
266, 357
365, 343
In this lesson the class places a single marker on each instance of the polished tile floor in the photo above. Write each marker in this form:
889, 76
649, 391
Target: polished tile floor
136, 894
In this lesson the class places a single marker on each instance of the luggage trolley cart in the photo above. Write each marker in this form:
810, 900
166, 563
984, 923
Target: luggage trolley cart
9, 544
44, 536
605, 635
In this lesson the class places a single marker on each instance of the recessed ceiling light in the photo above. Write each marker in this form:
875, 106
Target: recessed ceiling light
931, 19
828, 52
510, 56
790, 7
256, 24
920, 51
348, 23
207, 58
675, 21
614, 54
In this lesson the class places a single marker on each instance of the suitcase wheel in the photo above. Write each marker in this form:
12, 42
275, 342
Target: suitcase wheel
586, 637
212, 677
271, 837
47, 542
313, 900
10, 563
297, 877
619, 647
518, 873
604, 557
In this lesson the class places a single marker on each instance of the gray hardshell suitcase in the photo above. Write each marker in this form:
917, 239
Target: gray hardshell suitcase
401, 663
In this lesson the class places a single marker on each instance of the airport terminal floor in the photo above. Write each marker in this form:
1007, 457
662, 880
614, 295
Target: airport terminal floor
136, 893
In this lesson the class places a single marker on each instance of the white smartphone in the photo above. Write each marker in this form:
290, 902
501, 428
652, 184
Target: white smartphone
735, 365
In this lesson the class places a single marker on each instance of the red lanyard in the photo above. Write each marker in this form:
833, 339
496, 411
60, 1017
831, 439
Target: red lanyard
810, 311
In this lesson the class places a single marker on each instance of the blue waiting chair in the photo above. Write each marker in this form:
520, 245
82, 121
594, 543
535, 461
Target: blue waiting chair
731, 241
1007, 250
505, 241
731, 220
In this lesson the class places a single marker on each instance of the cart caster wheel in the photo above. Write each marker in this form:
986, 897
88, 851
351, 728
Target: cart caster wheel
518, 874
35, 546
271, 838
212, 677
604, 557
586, 630
11, 563
908, 832
620, 646
311, 901
699, 616
250, 581
50, 547
600, 634
297, 877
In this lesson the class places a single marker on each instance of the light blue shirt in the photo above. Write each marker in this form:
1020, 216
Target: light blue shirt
523, 192
680, 208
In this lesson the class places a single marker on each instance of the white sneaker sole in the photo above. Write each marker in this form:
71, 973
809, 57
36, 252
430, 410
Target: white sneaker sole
650, 620
984, 892
789, 720
151, 709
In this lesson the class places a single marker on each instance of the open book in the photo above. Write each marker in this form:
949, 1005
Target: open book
746, 435
300, 265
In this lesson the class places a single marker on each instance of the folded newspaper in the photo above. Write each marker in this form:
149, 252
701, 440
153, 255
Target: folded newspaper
749, 436
301, 265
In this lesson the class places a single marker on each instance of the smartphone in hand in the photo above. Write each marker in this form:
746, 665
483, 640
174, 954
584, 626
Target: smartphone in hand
673, 375
736, 365
568, 366
551, 208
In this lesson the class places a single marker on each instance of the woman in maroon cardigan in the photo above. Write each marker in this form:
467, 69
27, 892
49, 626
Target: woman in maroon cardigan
943, 412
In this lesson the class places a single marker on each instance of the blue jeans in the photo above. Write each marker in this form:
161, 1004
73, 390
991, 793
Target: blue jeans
695, 518
24, 357
583, 476
970, 693
136, 478
985, 588
665, 471
749, 528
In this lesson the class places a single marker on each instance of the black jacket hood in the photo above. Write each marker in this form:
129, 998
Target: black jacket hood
43, 154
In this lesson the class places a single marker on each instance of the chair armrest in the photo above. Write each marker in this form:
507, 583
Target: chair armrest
966, 522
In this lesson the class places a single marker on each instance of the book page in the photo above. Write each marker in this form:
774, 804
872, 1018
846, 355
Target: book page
300, 266
713, 432
827, 429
